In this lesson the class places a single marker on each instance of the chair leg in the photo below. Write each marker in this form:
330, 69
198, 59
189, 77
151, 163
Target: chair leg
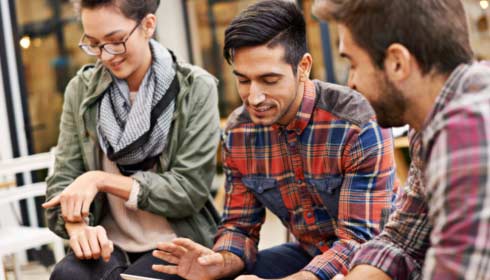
58, 250
17, 273
2, 269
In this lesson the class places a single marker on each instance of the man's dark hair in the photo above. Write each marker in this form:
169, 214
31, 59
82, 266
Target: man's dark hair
133, 9
434, 31
270, 22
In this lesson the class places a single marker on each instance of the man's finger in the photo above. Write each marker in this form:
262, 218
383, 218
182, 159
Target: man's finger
166, 257
52, 202
171, 248
168, 269
339, 277
191, 245
211, 259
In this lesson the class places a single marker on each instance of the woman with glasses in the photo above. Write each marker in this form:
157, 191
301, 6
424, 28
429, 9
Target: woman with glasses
136, 153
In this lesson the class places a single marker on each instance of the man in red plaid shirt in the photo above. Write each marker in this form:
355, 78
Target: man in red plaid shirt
309, 151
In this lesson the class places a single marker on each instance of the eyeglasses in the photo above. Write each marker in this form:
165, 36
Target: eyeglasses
113, 48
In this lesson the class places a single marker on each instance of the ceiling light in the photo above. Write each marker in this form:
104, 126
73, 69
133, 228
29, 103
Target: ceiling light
484, 4
25, 42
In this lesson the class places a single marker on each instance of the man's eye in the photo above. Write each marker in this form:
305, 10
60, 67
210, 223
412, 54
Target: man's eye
271, 82
243, 82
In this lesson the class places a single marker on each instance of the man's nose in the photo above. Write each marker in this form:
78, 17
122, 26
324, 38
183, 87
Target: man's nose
350, 81
256, 95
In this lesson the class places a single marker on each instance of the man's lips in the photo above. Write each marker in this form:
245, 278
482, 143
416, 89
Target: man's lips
261, 110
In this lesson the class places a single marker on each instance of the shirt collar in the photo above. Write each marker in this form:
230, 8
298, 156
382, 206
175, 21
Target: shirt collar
447, 92
303, 116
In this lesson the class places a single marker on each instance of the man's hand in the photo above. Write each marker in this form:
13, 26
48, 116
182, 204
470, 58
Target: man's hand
302, 275
362, 272
193, 261
75, 200
89, 242
248, 277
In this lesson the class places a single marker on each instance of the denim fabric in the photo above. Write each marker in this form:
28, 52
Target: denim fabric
72, 268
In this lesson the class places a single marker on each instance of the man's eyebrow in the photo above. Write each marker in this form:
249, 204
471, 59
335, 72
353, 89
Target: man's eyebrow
239, 74
266, 75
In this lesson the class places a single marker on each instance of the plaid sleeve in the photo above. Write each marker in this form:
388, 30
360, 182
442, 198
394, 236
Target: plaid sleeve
460, 202
400, 249
367, 191
242, 219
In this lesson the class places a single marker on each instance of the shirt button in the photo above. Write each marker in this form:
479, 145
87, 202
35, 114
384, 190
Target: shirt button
309, 215
321, 243
292, 144
300, 182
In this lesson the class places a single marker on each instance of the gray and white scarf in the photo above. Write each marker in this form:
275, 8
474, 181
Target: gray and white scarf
131, 134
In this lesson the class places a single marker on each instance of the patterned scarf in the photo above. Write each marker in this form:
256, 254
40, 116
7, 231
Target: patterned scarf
135, 135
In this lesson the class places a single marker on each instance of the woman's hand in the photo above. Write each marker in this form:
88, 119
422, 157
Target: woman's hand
89, 243
75, 200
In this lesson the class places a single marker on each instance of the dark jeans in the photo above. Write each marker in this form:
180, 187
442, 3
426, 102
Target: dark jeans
280, 261
138, 264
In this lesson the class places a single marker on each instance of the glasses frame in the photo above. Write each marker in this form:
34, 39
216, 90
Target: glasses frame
85, 47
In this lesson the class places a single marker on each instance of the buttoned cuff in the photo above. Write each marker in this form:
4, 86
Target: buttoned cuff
333, 261
240, 245
389, 258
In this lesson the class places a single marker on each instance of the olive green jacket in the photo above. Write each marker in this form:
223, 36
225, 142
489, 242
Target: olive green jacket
180, 189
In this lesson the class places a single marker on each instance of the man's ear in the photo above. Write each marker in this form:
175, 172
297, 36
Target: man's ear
149, 25
398, 62
304, 67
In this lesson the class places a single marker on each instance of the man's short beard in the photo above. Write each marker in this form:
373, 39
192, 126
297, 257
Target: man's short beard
391, 107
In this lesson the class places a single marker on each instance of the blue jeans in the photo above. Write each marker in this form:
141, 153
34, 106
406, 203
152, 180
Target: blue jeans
280, 261
121, 262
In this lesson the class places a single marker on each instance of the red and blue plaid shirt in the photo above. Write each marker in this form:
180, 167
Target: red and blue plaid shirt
441, 228
329, 176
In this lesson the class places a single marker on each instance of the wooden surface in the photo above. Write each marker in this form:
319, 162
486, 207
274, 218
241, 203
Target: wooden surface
401, 143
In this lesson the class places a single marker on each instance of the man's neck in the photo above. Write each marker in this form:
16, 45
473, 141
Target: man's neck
422, 99
294, 107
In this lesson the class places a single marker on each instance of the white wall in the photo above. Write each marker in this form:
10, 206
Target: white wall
171, 28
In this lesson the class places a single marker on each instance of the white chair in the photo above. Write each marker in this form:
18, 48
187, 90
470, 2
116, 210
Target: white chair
15, 238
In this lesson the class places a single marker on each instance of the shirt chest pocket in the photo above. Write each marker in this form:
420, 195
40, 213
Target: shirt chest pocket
267, 191
328, 189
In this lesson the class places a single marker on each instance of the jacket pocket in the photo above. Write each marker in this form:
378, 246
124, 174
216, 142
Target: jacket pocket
329, 190
268, 193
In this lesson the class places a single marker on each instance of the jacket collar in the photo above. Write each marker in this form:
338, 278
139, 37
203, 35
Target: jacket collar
303, 116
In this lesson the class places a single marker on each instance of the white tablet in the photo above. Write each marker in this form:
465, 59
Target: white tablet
135, 277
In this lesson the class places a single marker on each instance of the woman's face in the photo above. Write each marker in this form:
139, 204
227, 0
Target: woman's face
107, 24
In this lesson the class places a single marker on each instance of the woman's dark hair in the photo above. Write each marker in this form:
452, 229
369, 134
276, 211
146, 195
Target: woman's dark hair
434, 31
134, 9
270, 22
